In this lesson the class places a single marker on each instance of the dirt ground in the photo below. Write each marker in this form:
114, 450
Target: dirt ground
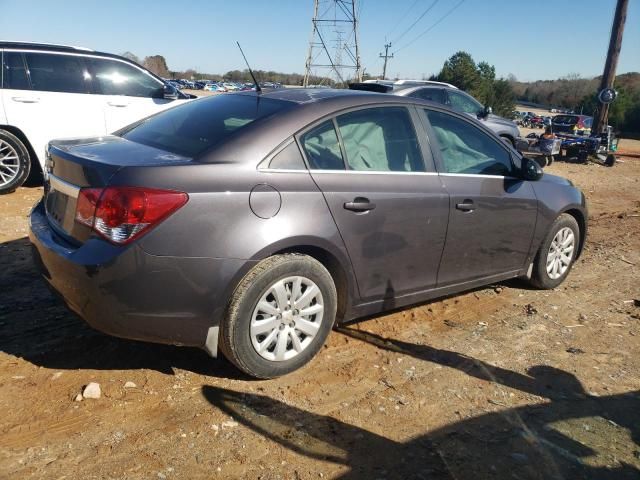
501, 382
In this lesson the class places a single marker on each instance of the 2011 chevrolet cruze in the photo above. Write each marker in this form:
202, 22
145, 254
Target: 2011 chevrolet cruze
253, 221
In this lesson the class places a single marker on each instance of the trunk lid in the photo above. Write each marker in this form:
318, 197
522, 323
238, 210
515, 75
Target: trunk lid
90, 162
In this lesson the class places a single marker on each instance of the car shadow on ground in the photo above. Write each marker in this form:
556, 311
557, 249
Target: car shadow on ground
35, 325
555, 439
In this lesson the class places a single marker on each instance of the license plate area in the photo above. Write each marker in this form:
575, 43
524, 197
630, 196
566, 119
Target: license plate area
60, 203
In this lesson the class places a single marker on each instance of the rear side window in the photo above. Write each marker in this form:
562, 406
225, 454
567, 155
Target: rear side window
14, 74
380, 139
196, 126
58, 73
323, 148
289, 158
464, 103
432, 94
118, 78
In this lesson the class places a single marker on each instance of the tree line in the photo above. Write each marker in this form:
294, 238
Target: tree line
478, 79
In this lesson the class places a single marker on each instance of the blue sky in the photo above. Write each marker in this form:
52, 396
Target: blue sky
535, 39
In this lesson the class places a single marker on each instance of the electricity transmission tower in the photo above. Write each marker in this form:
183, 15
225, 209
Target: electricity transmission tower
333, 46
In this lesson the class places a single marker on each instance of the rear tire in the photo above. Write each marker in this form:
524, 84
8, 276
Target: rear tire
266, 332
15, 163
557, 253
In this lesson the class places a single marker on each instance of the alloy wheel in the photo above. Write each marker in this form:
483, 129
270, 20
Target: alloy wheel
9, 163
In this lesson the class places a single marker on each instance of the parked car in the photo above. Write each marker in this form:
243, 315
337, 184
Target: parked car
254, 222
215, 87
51, 91
574, 124
449, 95
536, 121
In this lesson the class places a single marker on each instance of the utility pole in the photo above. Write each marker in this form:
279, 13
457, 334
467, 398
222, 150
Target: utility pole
334, 22
609, 74
386, 57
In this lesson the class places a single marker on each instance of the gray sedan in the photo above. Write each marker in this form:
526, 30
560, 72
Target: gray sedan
250, 223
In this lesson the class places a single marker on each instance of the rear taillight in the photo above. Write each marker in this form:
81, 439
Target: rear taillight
121, 214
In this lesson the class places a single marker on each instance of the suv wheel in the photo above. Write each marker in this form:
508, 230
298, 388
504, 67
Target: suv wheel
279, 316
555, 258
14, 162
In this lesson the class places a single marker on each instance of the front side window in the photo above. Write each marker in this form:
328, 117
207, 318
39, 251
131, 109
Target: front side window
118, 78
14, 73
323, 148
196, 126
432, 94
380, 139
467, 149
463, 103
58, 73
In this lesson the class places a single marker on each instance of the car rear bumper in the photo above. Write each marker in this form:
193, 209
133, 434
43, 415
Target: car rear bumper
126, 292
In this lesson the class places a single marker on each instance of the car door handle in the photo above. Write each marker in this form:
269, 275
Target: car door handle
25, 99
118, 104
359, 204
466, 206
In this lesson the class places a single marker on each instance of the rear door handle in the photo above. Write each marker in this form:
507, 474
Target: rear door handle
25, 99
359, 204
466, 206
118, 104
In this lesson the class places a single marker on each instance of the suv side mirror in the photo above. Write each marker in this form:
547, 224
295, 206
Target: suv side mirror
169, 92
531, 170
485, 112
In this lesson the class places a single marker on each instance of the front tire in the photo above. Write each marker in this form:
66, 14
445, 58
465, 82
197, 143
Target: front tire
557, 253
15, 163
279, 316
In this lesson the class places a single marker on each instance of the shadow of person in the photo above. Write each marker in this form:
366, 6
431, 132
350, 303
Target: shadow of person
544, 381
36, 326
490, 446
323, 438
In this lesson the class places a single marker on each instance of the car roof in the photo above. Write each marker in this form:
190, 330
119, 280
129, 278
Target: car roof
306, 107
51, 47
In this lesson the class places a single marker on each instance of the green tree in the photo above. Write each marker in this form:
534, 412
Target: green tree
460, 70
478, 80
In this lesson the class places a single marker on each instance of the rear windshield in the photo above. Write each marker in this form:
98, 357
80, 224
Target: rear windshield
570, 119
196, 126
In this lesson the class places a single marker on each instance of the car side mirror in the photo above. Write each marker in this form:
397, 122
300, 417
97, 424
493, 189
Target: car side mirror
169, 92
531, 170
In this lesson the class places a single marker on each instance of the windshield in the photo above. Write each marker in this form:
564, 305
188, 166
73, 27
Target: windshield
566, 119
194, 127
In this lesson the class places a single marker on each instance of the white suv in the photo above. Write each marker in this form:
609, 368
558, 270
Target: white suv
51, 91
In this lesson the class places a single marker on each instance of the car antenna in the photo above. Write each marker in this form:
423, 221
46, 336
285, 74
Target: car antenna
258, 89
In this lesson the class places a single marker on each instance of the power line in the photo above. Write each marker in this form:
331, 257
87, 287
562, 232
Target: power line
431, 27
403, 17
417, 20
